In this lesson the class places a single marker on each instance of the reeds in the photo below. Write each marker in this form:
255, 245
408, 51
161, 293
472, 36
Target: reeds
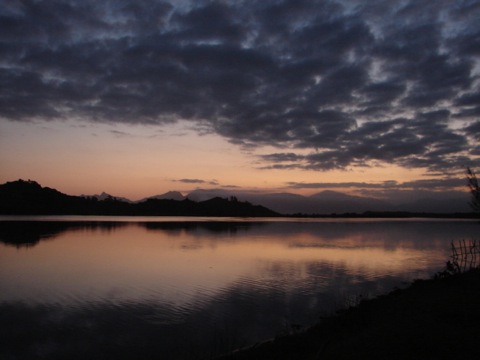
465, 255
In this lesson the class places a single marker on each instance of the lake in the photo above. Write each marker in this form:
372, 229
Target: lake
189, 288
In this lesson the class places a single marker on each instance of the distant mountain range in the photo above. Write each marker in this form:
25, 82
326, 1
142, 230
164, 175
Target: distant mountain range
329, 202
104, 196
29, 197
332, 202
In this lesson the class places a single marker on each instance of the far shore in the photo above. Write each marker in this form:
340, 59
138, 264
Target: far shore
391, 214
364, 215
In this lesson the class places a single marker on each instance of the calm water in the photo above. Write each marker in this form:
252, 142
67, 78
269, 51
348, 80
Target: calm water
168, 288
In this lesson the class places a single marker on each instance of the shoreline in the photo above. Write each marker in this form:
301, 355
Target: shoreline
438, 318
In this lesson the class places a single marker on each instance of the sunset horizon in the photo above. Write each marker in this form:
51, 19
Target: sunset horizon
137, 99
29, 197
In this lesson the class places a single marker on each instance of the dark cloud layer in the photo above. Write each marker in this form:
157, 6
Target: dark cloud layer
331, 84
425, 184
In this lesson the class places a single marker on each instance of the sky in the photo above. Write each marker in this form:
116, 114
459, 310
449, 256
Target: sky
140, 97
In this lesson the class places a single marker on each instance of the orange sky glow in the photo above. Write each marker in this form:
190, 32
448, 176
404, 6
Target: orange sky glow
136, 161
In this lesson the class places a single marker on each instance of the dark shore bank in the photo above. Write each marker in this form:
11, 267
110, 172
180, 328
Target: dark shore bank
431, 319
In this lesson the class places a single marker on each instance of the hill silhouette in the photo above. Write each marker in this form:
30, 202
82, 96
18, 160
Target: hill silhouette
30, 198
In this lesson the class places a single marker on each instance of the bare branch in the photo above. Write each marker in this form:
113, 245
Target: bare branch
474, 189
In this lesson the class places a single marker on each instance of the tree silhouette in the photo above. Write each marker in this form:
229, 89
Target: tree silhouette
474, 190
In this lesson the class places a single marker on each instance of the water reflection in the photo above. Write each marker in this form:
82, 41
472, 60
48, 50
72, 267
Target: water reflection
30, 233
185, 290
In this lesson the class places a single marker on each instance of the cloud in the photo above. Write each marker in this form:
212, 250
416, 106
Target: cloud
347, 83
197, 181
120, 134
423, 184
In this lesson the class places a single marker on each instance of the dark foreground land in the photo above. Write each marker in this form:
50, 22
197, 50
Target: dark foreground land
431, 319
